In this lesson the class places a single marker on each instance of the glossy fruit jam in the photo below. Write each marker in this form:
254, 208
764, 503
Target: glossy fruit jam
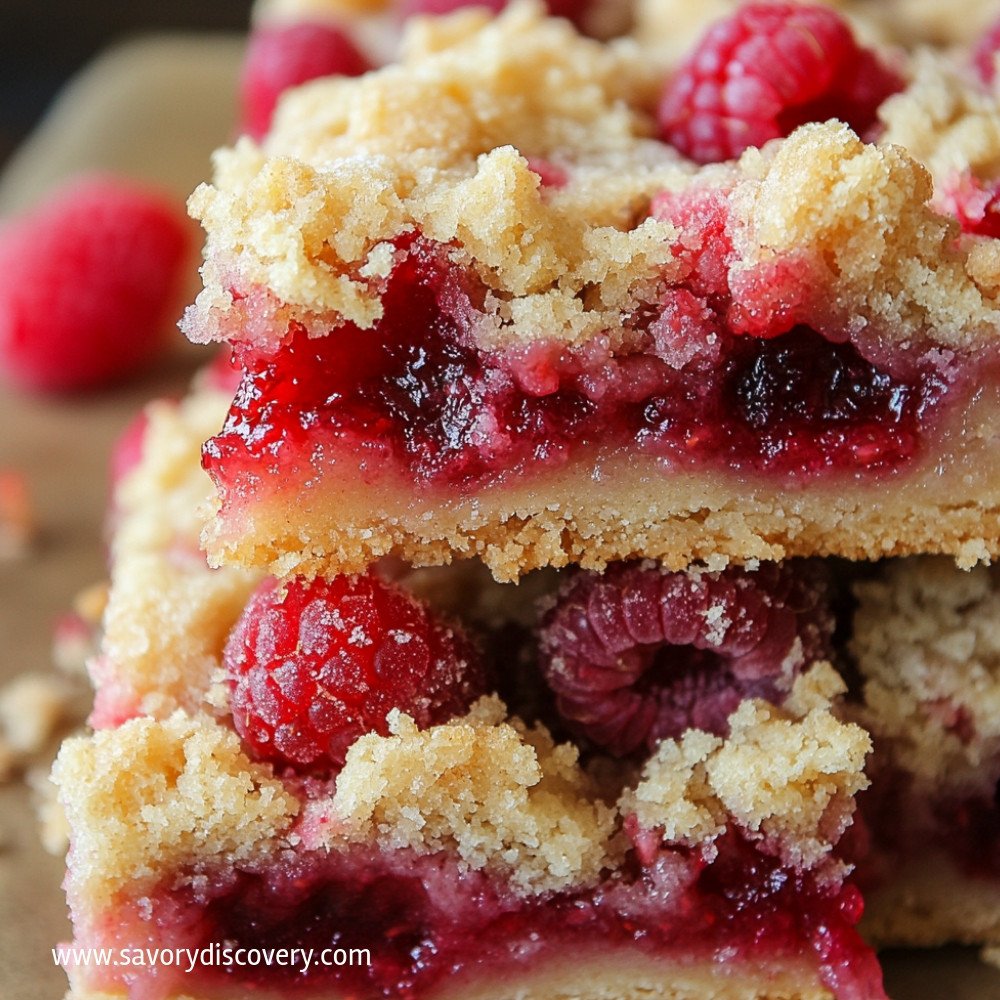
415, 392
424, 922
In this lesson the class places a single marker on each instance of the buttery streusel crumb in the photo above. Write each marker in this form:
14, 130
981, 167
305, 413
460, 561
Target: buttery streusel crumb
350, 165
168, 614
153, 796
945, 120
499, 794
785, 776
32, 707
927, 642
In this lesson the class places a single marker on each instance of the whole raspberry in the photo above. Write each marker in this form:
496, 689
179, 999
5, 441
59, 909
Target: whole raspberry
636, 655
285, 55
314, 664
762, 72
88, 284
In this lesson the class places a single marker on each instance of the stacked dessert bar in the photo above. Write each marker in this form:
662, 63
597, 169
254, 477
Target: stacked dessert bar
515, 668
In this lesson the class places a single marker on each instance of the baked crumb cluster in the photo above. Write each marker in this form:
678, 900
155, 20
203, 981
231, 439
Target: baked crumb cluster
152, 797
927, 642
168, 614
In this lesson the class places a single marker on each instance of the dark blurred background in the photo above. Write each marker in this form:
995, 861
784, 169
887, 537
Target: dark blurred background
43, 42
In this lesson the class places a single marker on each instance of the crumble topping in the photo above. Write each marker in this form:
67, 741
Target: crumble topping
494, 790
786, 776
151, 796
32, 708
352, 164
855, 220
945, 120
168, 614
927, 643
302, 228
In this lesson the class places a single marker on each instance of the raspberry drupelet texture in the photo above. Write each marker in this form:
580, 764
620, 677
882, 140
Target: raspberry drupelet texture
637, 655
88, 281
315, 664
280, 56
767, 69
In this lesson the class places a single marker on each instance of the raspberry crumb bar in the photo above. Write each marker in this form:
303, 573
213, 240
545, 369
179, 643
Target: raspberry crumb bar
328, 763
526, 328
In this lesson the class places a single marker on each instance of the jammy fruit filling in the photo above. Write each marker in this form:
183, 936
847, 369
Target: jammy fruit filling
416, 392
425, 921
679, 867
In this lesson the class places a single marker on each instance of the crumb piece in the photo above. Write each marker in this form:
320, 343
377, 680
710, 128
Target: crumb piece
168, 615
32, 707
927, 642
856, 220
17, 520
151, 797
785, 776
990, 955
945, 120
53, 826
674, 793
495, 791
350, 165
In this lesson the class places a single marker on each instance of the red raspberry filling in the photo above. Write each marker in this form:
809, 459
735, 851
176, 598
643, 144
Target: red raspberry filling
313, 665
767, 69
424, 921
637, 655
415, 393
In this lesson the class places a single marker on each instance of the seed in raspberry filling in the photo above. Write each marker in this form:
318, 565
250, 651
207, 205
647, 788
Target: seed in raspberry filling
315, 664
767, 69
637, 655
283, 56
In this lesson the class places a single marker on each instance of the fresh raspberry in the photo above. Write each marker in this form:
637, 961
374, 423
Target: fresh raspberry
974, 203
314, 664
984, 54
767, 69
283, 56
574, 10
88, 282
636, 654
